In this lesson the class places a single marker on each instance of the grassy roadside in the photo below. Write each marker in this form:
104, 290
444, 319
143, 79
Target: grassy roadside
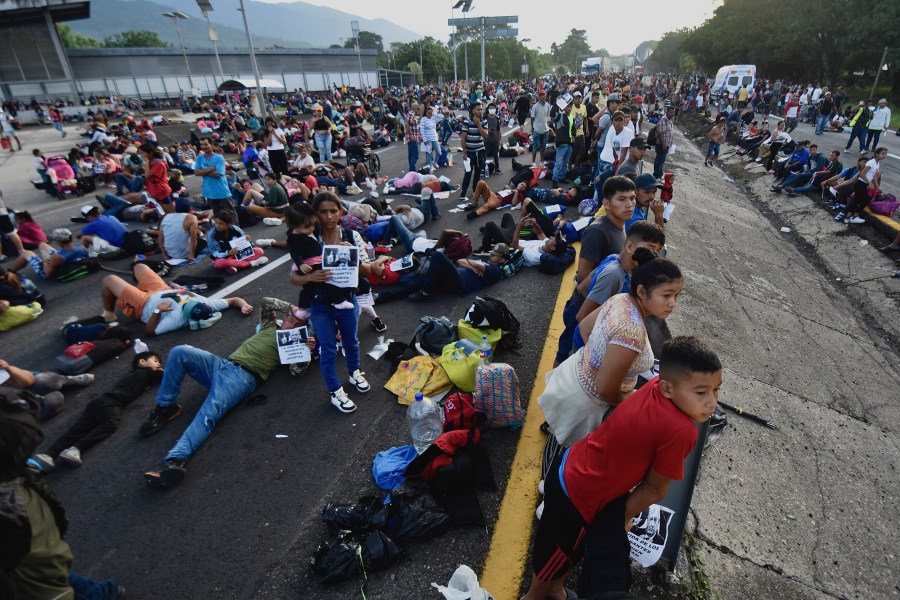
857, 93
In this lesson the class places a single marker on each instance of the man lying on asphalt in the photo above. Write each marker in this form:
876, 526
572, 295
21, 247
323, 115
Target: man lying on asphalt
229, 380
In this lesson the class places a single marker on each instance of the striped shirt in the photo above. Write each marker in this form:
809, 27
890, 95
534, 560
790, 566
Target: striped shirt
474, 141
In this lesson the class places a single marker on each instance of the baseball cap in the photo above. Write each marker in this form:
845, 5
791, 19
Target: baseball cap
647, 182
501, 250
639, 142
200, 315
576, 94
87, 209
61, 235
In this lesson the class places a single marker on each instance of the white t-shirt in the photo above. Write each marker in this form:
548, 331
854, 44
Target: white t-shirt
306, 161
615, 142
792, 112
531, 251
275, 143
873, 167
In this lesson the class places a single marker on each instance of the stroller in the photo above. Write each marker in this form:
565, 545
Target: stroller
61, 177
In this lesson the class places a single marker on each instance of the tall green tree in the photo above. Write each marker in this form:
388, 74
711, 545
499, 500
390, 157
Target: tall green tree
135, 39
367, 40
436, 60
666, 57
71, 39
573, 50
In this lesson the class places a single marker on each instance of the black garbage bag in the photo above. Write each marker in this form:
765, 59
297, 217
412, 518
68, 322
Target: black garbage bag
343, 557
379, 551
368, 514
416, 517
337, 559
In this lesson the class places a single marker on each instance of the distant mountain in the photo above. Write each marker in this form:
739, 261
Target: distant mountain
289, 24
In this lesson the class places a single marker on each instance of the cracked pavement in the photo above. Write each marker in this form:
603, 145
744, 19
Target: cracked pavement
809, 341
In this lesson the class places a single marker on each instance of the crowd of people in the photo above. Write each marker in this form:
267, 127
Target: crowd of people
622, 399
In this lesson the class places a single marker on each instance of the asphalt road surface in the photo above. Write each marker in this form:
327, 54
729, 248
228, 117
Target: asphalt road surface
246, 520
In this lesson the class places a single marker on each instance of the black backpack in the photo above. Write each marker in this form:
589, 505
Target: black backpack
433, 333
487, 311
651, 136
139, 242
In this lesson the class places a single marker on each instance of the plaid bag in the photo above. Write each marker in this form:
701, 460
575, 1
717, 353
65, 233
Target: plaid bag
497, 395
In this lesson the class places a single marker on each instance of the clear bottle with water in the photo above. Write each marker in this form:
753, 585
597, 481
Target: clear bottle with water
425, 420
485, 345
485, 358
140, 346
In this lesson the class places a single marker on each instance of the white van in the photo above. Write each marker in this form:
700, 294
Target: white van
731, 78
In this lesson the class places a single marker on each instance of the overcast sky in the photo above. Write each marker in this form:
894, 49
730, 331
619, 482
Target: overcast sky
542, 22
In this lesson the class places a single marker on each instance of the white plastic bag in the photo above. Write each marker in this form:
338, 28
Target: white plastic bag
463, 585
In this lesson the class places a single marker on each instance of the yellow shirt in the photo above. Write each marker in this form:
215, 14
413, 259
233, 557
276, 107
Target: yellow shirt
579, 116
743, 94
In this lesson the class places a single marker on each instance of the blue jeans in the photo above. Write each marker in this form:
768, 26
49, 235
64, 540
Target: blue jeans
659, 163
858, 132
872, 137
89, 589
329, 182
446, 132
412, 151
116, 205
327, 321
562, 162
227, 383
397, 227
566, 337
821, 123
539, 141
797, 178
815, 181
429, 208
323, 143
131, 185
433, 153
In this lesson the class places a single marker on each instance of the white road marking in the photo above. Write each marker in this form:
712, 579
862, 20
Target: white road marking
225, 292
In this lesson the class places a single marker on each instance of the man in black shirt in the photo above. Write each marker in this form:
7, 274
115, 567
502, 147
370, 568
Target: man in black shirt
523, 108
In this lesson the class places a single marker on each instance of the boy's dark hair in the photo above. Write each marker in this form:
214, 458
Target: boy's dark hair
143, 356
652, 271
617, 184
225, 217
684, 355
645, 231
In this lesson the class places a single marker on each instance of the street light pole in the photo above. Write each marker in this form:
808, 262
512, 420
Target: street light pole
354, 25
206, 8
263, 105
177, 16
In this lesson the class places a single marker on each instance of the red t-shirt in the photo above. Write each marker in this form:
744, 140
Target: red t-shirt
647, 431
158, 180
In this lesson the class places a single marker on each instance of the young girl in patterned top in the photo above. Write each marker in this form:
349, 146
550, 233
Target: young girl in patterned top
603, 373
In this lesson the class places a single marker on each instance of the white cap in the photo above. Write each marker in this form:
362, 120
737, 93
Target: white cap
87, 208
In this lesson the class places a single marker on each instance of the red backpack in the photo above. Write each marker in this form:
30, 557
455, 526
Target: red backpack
459, 247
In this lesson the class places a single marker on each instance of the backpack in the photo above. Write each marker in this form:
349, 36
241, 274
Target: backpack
433, 333
77, 270
512, 264
488, 312
138, 242
458, 247
884, 204
651, 136
497, 395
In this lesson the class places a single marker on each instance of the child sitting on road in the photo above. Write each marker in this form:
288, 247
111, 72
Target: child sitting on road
103, 414
219, 241
641, 445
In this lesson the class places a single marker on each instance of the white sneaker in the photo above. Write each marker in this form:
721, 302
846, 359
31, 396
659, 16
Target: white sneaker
259, 261
340, 401
540, 510
71, 457
386, 189
68, 322
373, 194
44, 461
353, 190
265, 242
358, 380
857, 220
272, 221
541, 487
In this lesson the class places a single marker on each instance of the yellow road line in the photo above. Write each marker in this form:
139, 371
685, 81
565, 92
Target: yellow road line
507, 557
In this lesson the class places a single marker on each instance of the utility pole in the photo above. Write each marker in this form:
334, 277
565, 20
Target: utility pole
482, 51
263, 105
878, 74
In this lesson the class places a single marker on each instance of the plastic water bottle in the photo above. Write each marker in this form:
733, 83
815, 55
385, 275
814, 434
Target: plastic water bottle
486, 358
140, 346
425, 422
485, 345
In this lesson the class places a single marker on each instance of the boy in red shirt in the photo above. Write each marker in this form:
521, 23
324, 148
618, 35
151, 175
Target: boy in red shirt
642, 443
